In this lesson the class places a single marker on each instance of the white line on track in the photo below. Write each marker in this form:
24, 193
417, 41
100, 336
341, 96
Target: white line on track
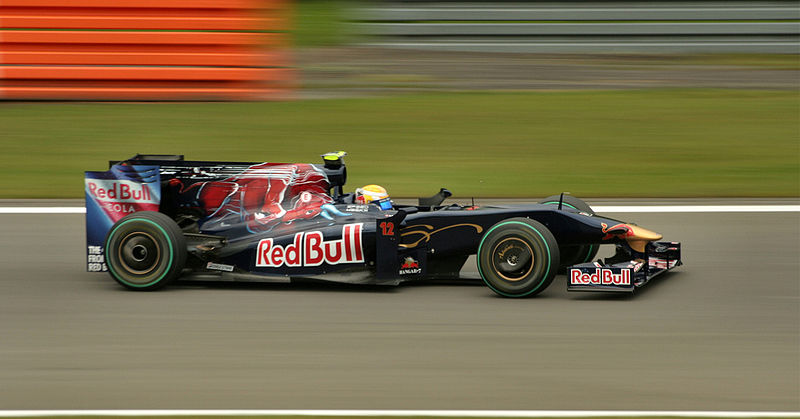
42, 210
599, 209
395, 413
696, 208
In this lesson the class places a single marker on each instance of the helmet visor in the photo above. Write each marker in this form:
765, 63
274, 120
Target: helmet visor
384, 204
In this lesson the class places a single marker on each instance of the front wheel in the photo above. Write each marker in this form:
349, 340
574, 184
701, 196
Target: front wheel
518, 257
145, 251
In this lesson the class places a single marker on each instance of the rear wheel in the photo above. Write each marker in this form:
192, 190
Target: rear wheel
145, 251
518, 257
574, 254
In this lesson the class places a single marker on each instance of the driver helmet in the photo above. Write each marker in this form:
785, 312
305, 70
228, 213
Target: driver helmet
374, 194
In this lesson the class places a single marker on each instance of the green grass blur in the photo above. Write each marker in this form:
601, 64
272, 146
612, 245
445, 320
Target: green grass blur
319, 23
647, 143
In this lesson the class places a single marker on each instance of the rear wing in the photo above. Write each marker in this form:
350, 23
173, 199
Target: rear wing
148, 157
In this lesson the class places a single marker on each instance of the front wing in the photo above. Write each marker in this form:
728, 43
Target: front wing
625, 276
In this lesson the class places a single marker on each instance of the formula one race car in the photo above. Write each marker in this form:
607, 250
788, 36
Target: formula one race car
153, 218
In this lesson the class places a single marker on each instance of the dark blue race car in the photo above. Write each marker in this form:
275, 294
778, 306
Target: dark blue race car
152, 219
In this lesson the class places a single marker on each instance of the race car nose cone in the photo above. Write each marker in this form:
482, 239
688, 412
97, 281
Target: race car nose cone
639, 237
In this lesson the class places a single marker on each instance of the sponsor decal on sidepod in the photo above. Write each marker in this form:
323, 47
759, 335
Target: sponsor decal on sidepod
410, 266
600, 277
311, 249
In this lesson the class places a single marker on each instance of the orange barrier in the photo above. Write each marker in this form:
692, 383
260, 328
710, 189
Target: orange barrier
143, 49
152, 4
141, 73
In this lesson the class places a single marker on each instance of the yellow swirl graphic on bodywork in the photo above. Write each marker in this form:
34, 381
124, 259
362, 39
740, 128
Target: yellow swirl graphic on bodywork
426, 231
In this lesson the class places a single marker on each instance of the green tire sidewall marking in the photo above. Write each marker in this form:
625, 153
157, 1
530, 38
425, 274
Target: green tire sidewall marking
169, 245
556, 202
480, 246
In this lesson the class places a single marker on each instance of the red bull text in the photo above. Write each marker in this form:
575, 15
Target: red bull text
311, 249
600, 277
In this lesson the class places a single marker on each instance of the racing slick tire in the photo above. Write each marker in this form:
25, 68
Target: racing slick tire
518, 257
145, 251
573, 255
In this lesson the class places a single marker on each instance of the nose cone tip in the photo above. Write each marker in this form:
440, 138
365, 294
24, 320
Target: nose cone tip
640, 237
644, 234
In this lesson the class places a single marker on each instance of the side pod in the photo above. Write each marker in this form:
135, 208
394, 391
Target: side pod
387, 240
392, 260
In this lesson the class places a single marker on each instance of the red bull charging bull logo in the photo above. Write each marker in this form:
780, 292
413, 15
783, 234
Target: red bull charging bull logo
410, 266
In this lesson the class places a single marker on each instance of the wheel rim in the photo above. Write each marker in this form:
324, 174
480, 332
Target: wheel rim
139, 253
512, 259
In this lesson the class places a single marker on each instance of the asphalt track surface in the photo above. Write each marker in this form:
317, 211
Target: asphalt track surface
720, 333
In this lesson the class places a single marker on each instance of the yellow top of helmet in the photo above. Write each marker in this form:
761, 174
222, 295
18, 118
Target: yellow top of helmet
370, 193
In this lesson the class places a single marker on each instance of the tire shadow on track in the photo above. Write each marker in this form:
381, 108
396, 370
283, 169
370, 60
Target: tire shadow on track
471, 281
305, 284
296, 285
556, 291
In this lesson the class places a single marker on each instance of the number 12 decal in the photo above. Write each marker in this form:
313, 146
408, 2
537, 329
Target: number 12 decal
387, 229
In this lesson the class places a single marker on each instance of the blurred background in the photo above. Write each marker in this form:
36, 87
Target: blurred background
688, 100
492, 99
